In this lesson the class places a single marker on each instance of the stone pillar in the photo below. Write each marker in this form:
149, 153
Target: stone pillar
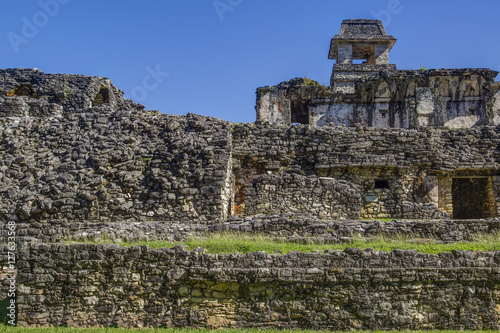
425, 107
445, 201
227, 192
496, 193
381, 54
431, 184
494, 116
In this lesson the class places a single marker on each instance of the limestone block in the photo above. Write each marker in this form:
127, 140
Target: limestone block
337, 114
425, 101
273, 107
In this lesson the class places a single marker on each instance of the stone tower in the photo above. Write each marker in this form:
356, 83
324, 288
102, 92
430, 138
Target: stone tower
361, 48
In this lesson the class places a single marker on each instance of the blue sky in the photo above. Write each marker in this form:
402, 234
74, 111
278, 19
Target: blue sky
209, 56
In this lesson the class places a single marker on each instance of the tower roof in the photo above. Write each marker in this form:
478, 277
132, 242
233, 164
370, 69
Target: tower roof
361, 30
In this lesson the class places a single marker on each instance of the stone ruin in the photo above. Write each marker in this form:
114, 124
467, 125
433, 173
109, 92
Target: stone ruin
368, 93
79, 161
366, 90
74, 149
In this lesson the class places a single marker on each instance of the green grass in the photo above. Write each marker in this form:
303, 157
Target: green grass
309, 82
381, 220
184, 330
244, 243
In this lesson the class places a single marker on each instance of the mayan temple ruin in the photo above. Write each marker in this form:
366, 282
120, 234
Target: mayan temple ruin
368, 91
380, 152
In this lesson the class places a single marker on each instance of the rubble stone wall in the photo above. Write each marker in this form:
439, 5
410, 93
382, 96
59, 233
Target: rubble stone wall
410, 162
102, 158
101, 164
31, 92
294, 193
94, 285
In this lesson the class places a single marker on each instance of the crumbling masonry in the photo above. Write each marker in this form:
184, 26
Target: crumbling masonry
373, 93
367, 93
77, 160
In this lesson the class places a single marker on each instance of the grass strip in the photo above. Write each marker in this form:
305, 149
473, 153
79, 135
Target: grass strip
226, 243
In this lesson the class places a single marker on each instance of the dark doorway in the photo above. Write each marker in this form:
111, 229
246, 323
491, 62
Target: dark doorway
299, 113
101, 97
472, 198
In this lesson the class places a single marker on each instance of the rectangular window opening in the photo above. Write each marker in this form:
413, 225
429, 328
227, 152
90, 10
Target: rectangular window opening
381, 184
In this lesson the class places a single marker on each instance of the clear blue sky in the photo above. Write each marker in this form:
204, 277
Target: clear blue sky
216, 53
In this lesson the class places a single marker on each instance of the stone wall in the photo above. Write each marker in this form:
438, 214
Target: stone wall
397, 173
102, 164
114, 161
73, 148
294, 193
306, 229
54, 231
274, 103
94, 285
31, 92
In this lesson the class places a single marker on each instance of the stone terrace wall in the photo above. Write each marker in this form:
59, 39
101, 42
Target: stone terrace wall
93, 285
101, 164
128, 231
307, 229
